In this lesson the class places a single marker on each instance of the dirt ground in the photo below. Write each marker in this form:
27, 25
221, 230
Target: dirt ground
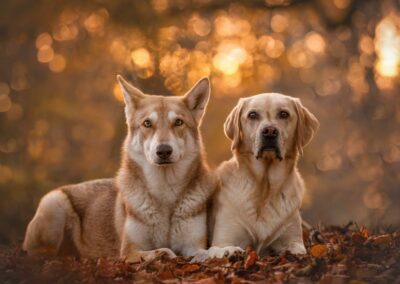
347, 254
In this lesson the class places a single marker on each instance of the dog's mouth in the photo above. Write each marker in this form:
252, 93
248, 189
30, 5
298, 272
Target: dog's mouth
163, 163
269, 148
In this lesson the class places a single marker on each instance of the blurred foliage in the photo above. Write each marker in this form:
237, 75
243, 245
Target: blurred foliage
61, 112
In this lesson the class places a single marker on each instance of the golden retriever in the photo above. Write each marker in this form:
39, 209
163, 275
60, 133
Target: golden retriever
260, 189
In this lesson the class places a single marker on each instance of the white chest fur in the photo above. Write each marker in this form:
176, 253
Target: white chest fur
260, 208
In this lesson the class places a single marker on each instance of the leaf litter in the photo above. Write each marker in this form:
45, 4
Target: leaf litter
336, 254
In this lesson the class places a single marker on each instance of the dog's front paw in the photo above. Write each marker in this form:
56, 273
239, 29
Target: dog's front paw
164, 251
200, 256
149, 255
217, 252
297, 248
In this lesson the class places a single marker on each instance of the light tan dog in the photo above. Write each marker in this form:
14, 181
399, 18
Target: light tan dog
156, 203
261, 189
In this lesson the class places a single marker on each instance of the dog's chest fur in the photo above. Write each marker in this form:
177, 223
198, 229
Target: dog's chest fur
153, 198
261, 201
165, 186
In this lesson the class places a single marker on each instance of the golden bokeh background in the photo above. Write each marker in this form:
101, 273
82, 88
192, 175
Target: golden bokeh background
61, 111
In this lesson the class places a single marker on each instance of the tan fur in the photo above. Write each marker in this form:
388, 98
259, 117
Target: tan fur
149, 208
258, 200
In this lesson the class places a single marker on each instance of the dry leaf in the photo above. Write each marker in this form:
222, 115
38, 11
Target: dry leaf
344, 253
319, 250
364, 232
382, 240
357, 238
187, 268
250, 259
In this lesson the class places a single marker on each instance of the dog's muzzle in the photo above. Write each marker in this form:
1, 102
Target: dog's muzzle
163, 152
269, 142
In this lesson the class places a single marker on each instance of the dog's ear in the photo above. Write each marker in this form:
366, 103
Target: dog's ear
307, 126
232, 126
197, 98
132, 95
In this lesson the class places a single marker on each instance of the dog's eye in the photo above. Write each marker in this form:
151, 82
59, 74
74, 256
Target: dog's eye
283, 114
252, 115
147, 123
178, 122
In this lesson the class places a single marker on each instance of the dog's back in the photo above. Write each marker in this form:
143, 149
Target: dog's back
75, 219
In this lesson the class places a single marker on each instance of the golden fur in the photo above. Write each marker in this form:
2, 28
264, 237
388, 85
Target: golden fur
260, 191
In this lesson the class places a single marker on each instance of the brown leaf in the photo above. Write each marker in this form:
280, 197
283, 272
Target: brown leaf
305, 271
366, 271
209, 280
165, 274
382, 240
250, 259
364, 232
191, 267
357, 238
319, 250
279, 276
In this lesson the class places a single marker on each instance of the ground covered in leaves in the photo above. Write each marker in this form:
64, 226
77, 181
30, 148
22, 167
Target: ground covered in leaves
335, 255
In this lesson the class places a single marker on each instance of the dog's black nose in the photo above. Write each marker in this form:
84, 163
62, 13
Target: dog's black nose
164, 151
270, 132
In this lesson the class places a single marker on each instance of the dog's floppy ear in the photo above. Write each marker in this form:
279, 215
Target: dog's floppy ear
197, 98
307, 126
132, 95
232, 126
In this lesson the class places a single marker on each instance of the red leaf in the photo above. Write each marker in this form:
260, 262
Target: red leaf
319, 250
250, 259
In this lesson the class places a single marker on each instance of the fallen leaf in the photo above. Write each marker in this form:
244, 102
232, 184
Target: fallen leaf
191, 267
250, 259
365, 272
165, 274
279, 276
382, 240
364, 232
305, 271
357, 238
319, 250
209, 280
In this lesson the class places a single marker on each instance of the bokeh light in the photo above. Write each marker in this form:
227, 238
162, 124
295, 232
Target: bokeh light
387, 45
141, 57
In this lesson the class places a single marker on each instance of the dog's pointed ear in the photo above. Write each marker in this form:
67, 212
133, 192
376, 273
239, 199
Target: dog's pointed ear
307, 126
232, 127
197, 98
131, 94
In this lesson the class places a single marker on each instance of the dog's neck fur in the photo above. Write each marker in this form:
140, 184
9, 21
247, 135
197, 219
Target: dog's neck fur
268, 173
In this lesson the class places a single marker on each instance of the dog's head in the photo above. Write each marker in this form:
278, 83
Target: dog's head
164, 130
270, 126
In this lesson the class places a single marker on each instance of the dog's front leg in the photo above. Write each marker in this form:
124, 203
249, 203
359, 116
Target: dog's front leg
229, 239
291, 239
138, 241
189, 234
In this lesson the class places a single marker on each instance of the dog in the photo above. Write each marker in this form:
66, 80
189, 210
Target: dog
157, 202
260, 189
